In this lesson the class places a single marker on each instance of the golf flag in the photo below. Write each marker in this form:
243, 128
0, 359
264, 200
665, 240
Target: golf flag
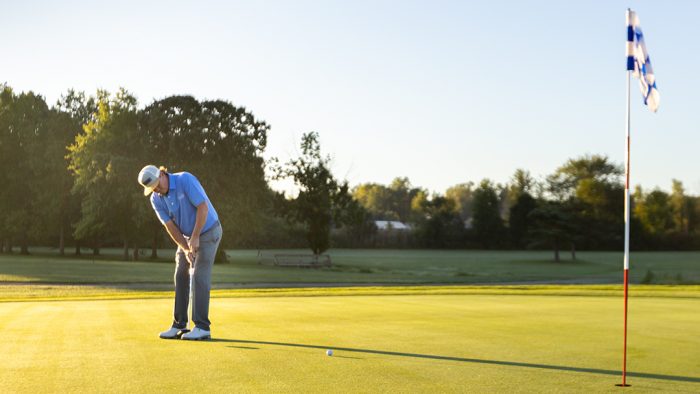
638, 62
639, 65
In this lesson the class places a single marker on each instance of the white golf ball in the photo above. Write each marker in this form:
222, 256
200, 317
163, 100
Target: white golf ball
329, 352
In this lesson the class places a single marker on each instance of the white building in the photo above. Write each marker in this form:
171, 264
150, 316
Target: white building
386, 225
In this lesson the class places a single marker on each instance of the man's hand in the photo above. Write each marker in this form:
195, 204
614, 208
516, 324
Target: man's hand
193, 243
191, 257
202, 210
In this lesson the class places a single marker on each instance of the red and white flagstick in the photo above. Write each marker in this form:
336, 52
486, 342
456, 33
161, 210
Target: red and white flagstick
627, 234
627, 221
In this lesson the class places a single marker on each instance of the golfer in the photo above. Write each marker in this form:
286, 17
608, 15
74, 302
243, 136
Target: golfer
189, 217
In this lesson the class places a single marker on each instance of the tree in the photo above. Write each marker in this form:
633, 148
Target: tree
521, 182
462, 195
72, 111
679, 205
488, 225
694, 219
388, 203
441, 225
655, 212
321, 198
589, 188
8, 156
23, 127
566, 179
222, 145
418, 204
551, 224
522, 205
402, 194
358, 224
597, 209
376, 199
519, 219
55, 203
104, 159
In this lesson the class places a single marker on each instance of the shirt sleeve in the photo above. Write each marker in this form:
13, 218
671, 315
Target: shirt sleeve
161, 211
194, 190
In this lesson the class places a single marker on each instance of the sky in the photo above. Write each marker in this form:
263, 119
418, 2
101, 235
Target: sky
441, 92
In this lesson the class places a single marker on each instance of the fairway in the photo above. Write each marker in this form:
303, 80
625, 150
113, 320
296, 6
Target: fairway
361, 266
389, 343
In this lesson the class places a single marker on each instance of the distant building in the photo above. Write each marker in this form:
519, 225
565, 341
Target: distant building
469, 223
386, 225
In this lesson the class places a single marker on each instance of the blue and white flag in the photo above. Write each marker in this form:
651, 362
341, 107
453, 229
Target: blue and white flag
638, 62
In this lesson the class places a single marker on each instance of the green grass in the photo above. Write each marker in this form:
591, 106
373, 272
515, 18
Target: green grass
365, 266
425, 339
11, 293
78, 324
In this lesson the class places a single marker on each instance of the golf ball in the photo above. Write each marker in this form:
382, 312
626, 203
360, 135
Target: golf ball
329, 352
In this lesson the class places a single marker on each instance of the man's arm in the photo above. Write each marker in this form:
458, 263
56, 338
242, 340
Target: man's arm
177, 236
202, 212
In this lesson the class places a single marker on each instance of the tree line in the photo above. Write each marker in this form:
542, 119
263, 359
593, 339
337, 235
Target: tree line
69, 169
69, 180
579, 206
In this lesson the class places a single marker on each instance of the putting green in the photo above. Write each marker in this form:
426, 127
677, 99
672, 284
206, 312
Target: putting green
417, 343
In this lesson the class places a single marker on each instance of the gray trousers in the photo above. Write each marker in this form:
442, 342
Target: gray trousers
208, 244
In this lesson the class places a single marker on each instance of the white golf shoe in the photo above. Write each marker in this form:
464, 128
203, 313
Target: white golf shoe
196, 335
173, 333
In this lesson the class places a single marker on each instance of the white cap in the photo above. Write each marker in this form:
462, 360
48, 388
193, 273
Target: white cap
148, 178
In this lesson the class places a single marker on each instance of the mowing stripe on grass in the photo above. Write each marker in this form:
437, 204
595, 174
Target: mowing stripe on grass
16, 293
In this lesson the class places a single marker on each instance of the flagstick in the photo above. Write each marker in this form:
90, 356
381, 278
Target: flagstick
626, 267
627, 233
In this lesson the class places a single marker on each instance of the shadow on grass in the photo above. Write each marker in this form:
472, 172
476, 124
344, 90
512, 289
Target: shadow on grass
475, 360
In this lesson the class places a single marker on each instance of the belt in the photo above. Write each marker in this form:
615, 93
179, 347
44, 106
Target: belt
213, 226
217, 223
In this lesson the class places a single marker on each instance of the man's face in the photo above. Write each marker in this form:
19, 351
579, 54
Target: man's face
162, 187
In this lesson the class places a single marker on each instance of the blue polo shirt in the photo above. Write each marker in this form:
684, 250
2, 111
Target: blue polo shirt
180, 204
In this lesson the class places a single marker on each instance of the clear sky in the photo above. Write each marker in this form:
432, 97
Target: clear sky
442, 92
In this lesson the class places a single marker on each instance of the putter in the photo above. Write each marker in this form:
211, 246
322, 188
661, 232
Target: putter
191, 308
190, 311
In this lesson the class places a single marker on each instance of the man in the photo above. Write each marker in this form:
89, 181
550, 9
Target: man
189, 217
